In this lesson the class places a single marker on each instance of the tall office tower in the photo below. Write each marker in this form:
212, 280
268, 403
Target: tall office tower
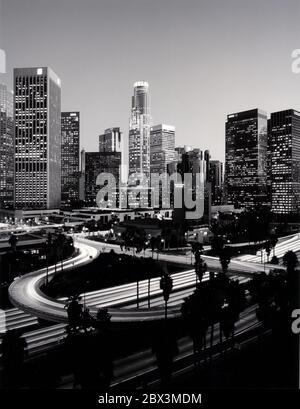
6, 148
162, 152
101, 162
139, 147
139, 131
82, 176
216, 180
111, 140
269, 165
70, 134
246, 158
37, 114
162, 147
284, 148
193, 164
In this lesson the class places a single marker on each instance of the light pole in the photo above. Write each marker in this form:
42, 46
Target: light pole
47, 266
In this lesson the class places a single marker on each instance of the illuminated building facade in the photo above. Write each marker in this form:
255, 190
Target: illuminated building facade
37, 114
139, 131
284, 151
111, 140
246, 158
6, 148
96, 163
216, 181
70, 140
162, 152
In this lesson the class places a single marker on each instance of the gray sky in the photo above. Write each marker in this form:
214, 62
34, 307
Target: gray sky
203, 59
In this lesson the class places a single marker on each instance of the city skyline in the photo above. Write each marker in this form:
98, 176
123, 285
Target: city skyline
195, 85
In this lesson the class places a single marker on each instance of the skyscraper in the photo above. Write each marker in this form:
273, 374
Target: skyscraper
95, 164
284, 161
111, 140
162, 153
70, 135
139, 131
37, 114
6, 148
82, 176
192, 168
246, 158
216, 180
162, 147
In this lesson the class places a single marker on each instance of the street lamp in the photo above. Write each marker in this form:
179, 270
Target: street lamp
166, 285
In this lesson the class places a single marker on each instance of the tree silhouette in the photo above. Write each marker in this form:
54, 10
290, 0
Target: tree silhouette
75, 312
273, 241
225, 257
13, 239
166, 284
267, 247
290, 260
13, 354
200, 268
217, 300
164, 346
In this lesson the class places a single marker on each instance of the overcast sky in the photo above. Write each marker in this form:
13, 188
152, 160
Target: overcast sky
203, 59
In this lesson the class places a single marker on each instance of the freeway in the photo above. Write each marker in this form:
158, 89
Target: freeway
14, 318
42, 339
236, 266
290, 243
25, 294
141, 366
25, 291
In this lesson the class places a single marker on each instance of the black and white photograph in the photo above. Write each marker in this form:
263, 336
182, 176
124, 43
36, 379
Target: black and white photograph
149, 202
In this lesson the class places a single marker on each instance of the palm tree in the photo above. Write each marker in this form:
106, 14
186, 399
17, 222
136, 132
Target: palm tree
166, 284
197, 250
273, 242
13, 239
164, 346
225, 257
217, 244
152, 244
48, 245
200, 269
267, 247
195, 312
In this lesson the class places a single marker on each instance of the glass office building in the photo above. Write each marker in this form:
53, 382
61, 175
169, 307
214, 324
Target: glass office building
284, 160
70, 141
6, 148
246, 158
37, 114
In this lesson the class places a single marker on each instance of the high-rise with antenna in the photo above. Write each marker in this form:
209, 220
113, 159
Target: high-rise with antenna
139, 131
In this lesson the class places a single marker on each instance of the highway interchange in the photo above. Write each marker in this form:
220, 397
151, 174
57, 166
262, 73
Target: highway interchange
121, 300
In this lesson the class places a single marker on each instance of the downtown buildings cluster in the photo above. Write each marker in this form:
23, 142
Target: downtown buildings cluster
42, 167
